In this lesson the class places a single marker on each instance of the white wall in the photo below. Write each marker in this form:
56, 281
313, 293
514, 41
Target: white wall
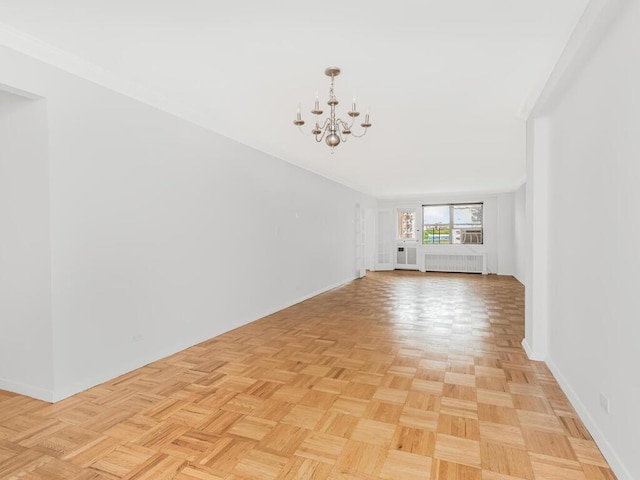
498, 218
164, 234
506, 234
26, 344
519, 218
593, 257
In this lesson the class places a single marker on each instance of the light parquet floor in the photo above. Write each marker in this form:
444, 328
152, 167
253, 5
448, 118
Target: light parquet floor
399, 375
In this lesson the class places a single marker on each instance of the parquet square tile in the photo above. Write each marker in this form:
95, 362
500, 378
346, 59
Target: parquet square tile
273, 410
406, 466
457, 426
573, 427
359, 390
444, 470
318, 399
460, 408
399, 375
532, 403
547, 443
428, 386
383, 411
299, 468
158, 466
260, 465
457, 450
85, 455
283, 439
372, 431
243, 404
254, 428
494, 397
501, 434
413, 440
492, 383
220, 422
418, 418
430, 375
55, 469
225, 453
361, 458
350, 406
463, 379
548, 467
497, 414
289, 394
322, 447
123, 459
506, 460
593, 472
196, 472
304, 416
331, 385
423, 401
540, 421
587, 452
485, 371
340, 424
390, 395
459, 392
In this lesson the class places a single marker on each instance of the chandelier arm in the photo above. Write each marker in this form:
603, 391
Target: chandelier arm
306, 134
363, 134
345, 126
349, 125
324, 129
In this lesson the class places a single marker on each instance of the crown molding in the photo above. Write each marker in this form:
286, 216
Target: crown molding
38, 49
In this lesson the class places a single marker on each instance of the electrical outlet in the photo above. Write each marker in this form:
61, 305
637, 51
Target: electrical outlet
604, 403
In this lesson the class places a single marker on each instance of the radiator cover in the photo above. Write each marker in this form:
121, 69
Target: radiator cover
463, 263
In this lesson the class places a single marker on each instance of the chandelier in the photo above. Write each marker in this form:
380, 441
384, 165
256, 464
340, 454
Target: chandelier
333, 129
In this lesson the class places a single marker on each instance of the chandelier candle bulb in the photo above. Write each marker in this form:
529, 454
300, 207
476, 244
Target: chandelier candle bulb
353, 105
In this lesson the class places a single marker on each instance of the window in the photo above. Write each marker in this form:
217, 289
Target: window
406, 225
452, 224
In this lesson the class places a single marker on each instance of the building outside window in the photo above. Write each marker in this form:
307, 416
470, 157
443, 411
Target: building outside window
406, 225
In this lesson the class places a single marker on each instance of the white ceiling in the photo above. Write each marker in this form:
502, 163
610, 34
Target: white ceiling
448, 81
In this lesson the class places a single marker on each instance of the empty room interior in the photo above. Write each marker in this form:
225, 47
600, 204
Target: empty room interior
341, 240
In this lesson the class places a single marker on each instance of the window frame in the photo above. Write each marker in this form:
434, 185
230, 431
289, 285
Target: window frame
451, 225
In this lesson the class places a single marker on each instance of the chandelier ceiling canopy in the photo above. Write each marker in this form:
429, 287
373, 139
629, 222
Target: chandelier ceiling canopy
333, 129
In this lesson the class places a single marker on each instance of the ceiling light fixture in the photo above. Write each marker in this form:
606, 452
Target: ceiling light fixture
333, 130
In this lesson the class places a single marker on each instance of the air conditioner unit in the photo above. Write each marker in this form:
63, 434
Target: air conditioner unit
471, 236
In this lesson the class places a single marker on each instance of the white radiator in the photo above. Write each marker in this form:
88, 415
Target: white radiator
466, 263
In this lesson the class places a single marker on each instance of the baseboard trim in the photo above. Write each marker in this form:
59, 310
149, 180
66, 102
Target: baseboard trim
603, 444
69, 390
527, 348
28, 390
272, 310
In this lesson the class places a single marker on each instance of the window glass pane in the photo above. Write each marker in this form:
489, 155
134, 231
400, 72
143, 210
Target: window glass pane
466, 216
406, 225
452, 224
436, 214
437, 234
